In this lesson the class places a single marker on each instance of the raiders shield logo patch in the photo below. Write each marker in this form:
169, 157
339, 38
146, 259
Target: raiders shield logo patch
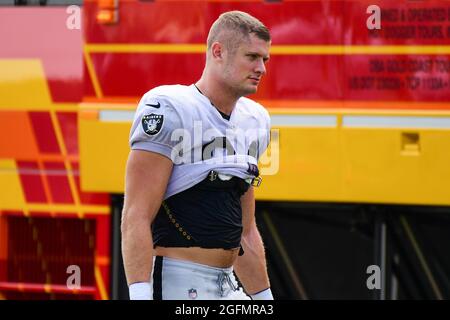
152, 123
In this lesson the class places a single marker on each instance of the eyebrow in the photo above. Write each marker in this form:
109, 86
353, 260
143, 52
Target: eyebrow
265, 58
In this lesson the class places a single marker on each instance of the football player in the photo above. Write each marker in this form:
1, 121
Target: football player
191, 173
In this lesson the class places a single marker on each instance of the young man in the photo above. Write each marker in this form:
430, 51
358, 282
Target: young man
191, 172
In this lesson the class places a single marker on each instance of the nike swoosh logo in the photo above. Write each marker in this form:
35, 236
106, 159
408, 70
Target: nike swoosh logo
153, 105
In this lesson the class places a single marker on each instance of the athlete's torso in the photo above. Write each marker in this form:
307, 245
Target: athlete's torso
199, 211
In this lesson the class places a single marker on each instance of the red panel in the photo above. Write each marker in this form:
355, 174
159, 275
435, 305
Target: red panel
88, 89
66, 90
44, 132
396, 18
379, 78
62, 242
89, 197
13, 295
58, 182
39, 287
314, 22
296, 22
305, 77
12, 213
25, 265
31, 181
294, 77
68, 122
320, 77
3, 247
103, 235
59, 215
58, 47
103, 246
401, 77
135, 74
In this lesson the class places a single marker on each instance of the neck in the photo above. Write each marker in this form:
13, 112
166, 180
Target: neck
219, 94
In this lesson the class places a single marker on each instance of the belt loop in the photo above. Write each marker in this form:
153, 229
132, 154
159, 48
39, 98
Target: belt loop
212, 175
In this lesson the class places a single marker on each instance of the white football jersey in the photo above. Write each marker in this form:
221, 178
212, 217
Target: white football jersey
181, 123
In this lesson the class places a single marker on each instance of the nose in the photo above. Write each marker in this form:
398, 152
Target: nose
261, 67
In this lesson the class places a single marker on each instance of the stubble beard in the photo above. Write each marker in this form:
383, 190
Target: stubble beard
240, 89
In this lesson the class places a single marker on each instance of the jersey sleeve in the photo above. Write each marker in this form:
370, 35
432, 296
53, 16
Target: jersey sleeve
154, 122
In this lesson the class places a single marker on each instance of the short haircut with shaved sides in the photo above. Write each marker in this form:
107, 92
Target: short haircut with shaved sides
234, 26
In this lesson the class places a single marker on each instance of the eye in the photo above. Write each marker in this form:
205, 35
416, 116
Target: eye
252, 57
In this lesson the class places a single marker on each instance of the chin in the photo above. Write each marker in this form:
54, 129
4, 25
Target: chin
246, 90
250, 90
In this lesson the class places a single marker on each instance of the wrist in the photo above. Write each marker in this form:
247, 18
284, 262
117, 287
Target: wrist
265, 294
140, 291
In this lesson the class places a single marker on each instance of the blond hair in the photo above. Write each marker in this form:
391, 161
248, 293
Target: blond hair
234, 26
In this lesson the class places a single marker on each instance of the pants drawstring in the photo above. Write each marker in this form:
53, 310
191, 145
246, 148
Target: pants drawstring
222, 278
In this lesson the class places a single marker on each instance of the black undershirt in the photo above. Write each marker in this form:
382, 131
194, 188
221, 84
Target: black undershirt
207, 215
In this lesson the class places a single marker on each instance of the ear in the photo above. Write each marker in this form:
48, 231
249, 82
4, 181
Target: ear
217, 50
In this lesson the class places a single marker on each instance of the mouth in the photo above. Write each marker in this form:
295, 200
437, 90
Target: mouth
255, 79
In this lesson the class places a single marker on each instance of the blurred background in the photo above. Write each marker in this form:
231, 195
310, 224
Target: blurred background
355, 207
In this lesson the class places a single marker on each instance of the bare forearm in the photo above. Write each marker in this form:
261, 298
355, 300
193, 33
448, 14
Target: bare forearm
251, 267
137, 250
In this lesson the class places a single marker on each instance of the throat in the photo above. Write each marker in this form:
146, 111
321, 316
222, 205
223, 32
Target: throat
223, 114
